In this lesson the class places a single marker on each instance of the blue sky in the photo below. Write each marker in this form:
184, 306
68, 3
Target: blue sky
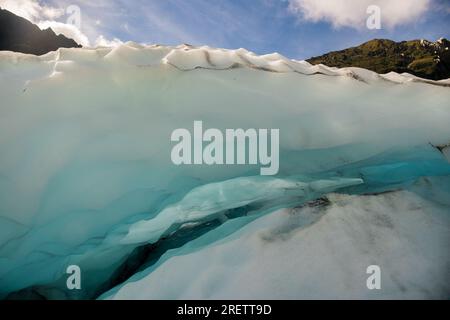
295, 28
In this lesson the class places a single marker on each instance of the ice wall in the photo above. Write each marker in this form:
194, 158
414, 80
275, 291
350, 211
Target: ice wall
85, 169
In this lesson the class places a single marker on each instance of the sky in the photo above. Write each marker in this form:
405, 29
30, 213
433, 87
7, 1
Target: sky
298, 29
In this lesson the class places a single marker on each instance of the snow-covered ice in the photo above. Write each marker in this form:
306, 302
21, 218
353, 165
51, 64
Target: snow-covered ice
314, 252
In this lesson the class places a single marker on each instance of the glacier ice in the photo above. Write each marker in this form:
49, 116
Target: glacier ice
281, 255
85, 170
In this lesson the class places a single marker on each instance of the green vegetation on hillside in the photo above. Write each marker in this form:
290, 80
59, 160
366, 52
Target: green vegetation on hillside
430, 60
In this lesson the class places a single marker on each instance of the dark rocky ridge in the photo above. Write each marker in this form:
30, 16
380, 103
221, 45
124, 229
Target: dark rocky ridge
20, 35
422, 58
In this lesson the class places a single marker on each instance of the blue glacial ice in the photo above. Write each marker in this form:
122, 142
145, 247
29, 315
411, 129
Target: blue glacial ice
86, 176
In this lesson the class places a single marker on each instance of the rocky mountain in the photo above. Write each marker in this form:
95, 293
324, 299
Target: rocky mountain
20, 35
426, 59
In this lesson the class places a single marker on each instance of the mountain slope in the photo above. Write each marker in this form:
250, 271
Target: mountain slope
20, 35
422, 58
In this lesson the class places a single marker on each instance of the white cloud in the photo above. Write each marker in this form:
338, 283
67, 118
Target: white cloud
102, 42
52, 13
69, 30
352, 13
31, 9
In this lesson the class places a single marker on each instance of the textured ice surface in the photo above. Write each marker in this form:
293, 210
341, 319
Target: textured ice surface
318, 252
85, 169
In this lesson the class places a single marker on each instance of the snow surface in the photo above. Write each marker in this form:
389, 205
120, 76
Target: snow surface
85, 169
314, 253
